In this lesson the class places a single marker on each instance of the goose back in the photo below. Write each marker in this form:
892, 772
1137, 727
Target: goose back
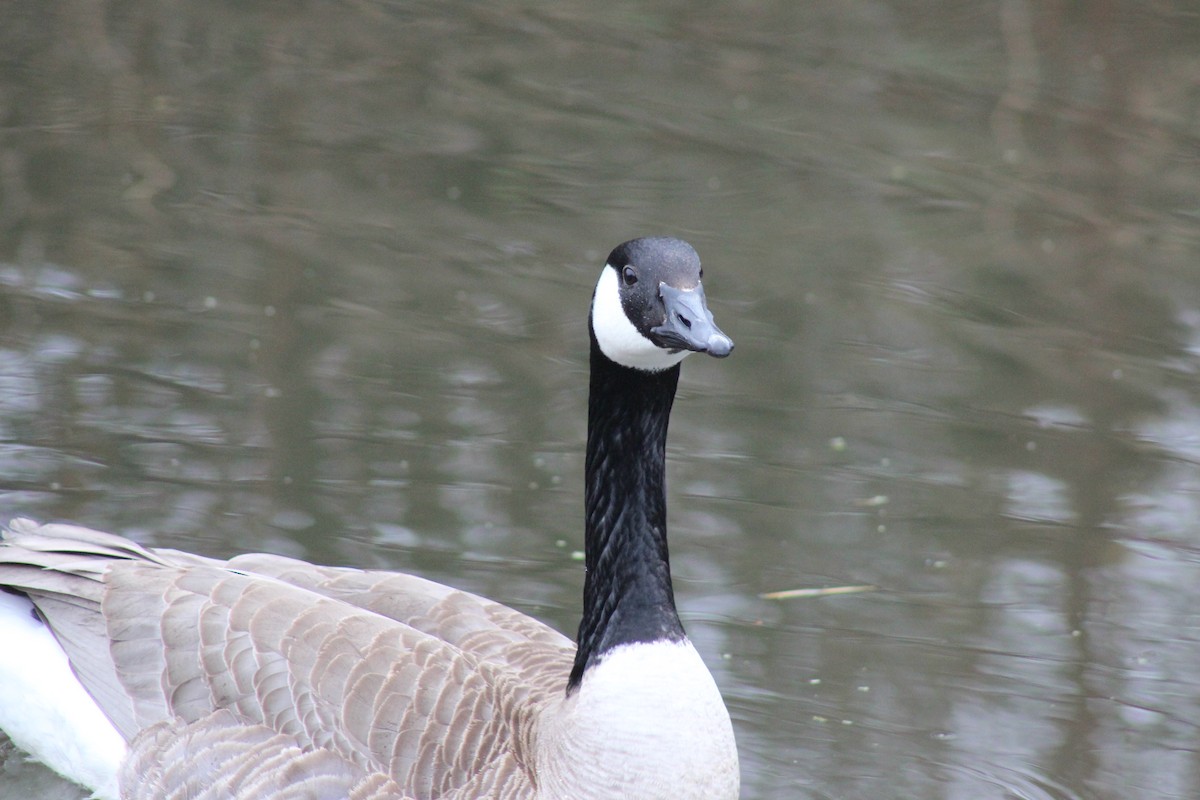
392, 676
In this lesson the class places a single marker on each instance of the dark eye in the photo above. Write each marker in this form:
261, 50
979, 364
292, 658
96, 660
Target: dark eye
629, 276
702, 273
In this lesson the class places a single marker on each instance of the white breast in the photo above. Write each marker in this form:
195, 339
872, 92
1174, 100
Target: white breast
647, 722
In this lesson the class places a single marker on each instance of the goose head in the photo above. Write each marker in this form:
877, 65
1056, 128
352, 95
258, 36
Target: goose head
649, 311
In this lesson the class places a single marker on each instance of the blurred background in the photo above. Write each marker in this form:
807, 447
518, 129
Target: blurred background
312, 278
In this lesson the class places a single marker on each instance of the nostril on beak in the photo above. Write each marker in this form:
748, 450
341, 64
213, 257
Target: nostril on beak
687, 323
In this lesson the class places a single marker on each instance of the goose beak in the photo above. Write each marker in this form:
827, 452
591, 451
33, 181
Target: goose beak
689, 324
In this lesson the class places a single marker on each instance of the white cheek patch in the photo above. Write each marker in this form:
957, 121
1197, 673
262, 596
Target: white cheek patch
618, 338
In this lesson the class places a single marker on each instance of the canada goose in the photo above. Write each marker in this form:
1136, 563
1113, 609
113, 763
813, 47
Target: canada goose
154, 673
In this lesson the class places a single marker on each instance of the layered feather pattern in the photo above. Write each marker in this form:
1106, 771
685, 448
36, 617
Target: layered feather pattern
386, 684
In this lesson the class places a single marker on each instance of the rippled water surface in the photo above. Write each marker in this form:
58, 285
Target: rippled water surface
313, 279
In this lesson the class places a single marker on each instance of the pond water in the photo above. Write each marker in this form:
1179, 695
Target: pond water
313, 279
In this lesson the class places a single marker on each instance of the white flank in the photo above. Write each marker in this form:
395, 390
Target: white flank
618, 338
647, 722
44, 708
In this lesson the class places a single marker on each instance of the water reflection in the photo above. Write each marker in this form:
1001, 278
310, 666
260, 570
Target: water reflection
310, 280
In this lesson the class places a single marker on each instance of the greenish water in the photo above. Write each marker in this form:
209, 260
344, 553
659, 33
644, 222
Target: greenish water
313, 279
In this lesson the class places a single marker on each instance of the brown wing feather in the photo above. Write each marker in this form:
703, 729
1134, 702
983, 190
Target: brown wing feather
240, 760
393, 677
540, 655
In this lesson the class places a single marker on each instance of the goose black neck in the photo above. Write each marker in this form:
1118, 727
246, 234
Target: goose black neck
627, 594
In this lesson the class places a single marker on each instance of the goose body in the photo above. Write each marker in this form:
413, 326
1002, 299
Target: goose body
154, 673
